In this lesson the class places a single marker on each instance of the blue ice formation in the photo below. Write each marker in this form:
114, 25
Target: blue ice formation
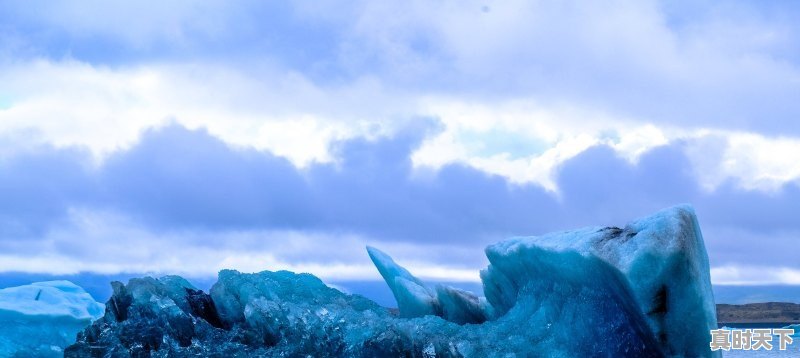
414, 298
638, 291
43, 318
278, 314
664, 260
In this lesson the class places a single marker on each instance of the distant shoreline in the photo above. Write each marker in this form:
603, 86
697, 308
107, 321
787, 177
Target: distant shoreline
783, 313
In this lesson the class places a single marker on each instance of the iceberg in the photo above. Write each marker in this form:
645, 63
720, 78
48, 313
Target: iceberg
662, 258
43, 318
414, 298
665, 262
276, 314
638, 291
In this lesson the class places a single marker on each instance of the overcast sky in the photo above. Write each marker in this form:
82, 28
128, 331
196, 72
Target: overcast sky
183, 137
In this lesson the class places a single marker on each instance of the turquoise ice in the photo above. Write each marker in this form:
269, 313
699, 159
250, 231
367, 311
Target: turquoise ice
41, 319
638, 291
666, 265
662, 259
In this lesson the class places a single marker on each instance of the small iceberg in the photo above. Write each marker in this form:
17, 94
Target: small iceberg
43, 318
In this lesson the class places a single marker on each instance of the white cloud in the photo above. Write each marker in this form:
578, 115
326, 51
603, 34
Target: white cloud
760, 162
72, 103
526, 142
478, 134
750, 160
105, 109
520, 87
754, 275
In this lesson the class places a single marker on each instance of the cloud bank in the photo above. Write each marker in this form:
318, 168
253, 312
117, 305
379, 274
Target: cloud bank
189, 137
183, 200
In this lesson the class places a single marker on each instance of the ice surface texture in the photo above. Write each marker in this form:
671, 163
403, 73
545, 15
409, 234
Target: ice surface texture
664, 260
41, 319
641, 291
